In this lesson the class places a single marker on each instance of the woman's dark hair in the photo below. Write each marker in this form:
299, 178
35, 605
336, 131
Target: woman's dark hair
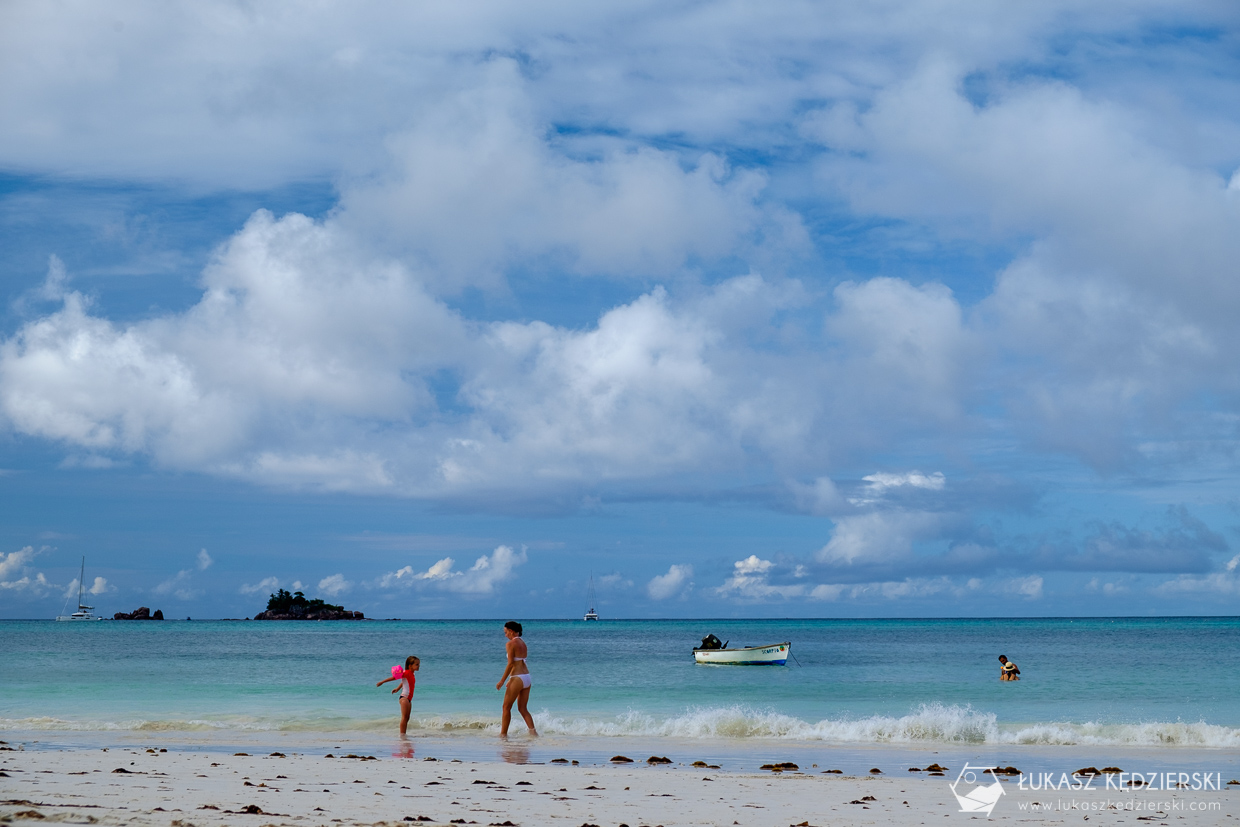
514, 625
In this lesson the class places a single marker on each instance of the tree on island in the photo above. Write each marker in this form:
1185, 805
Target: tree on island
295, 606
283, 603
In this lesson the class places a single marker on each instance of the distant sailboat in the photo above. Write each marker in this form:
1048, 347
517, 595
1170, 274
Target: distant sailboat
83, 612
590, 613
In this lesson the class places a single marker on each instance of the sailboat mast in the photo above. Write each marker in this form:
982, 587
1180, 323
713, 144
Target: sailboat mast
81, 581
590, 613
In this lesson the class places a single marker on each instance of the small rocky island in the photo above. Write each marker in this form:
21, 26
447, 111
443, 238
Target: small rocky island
295, 606
140, 613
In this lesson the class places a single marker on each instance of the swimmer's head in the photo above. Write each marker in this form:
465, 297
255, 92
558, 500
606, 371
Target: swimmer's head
411, 660
1003, 659
514, 626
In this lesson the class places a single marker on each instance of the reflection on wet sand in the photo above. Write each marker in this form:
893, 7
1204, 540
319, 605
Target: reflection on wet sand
404, 748
514, 753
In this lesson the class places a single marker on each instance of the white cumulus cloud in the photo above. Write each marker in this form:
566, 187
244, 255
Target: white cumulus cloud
267, 585
878, 537
393, 578
18, 562
476, 185
334, 585
671, 584
1224, 582
880, 482
15, 561
487, 572
1028, 587
749, 581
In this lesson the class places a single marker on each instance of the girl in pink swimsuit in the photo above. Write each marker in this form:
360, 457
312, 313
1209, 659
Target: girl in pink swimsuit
407, 682
517, 674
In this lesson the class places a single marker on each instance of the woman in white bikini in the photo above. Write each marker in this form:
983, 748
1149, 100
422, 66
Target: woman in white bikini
518, 677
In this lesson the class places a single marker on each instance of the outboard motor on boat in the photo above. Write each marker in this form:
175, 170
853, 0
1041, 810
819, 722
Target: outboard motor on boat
711, 642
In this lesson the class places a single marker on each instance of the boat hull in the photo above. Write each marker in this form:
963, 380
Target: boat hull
776, 654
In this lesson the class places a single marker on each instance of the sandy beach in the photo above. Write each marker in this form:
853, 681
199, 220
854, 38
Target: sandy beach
203, 789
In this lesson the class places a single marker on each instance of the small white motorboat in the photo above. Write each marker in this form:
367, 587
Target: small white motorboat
711, 651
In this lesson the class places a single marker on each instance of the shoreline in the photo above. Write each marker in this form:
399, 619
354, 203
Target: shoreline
732, 755
212, 788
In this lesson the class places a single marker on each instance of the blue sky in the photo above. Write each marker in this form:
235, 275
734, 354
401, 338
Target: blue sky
784, 309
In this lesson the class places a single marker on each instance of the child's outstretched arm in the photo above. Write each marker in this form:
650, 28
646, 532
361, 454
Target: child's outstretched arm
387, 680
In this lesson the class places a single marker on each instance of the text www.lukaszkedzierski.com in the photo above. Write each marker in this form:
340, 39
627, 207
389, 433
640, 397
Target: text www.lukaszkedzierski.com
1132, 805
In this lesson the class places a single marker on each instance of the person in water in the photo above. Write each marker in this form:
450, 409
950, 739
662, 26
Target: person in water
1008, 670
517, 675
407, 681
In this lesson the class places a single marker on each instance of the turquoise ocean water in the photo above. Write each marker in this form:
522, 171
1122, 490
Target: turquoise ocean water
1165, 682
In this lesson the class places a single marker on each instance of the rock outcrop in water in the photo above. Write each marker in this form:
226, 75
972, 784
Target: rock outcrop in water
140, 613
285, 606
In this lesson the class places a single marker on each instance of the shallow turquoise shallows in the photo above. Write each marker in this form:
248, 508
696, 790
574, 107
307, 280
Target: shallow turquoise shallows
1163, 681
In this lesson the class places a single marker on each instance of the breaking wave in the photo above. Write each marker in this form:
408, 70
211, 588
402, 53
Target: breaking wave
927, 724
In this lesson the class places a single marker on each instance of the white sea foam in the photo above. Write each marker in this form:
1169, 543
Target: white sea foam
1157, 733
235, 724
927, 724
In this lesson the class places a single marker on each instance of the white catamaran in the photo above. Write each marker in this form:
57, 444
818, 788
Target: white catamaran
590, 613
83, 612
